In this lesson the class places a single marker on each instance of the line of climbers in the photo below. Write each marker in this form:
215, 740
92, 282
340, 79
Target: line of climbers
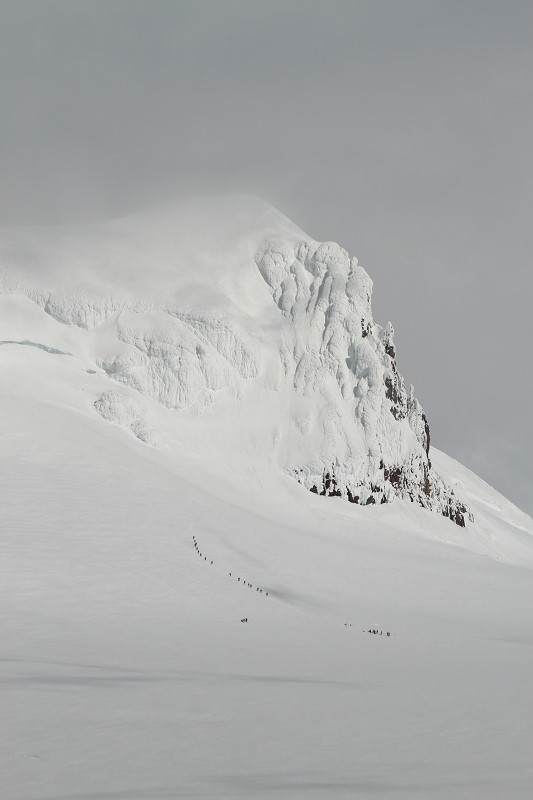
244, 583
249, 585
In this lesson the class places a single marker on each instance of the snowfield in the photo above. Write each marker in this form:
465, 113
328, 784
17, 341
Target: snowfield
164, 381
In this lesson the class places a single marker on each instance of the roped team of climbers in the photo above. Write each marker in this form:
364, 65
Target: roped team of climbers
244, 583
249, 585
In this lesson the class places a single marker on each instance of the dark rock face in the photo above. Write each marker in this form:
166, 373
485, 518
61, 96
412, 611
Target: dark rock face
426, 435
366, 328
393, 393
398, 482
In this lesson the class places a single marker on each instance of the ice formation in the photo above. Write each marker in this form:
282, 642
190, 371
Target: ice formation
124, 411
373, 434
240, 311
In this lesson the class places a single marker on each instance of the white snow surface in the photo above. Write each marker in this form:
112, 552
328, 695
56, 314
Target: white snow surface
164, 378
226, 303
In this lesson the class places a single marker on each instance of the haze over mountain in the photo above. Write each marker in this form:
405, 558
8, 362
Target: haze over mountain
179, 389
399, 130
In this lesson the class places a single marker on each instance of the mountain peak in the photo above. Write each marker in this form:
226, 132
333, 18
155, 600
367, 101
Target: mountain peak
212, 306
366, 437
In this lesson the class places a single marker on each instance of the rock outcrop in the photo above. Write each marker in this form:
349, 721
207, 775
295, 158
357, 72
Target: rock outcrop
369, 436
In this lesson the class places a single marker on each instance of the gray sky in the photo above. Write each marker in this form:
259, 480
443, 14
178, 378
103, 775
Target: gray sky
401, 129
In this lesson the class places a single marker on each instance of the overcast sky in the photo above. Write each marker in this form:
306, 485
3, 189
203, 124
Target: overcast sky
401, 129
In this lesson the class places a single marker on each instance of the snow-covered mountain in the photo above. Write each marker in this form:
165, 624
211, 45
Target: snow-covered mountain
172, 385
201, 309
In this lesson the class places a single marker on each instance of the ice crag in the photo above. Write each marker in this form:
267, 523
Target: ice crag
373, 434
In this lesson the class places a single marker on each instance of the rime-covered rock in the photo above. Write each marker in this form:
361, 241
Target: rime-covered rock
370, 434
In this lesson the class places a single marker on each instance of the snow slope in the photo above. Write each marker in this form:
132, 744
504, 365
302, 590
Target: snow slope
199, 306
126, 672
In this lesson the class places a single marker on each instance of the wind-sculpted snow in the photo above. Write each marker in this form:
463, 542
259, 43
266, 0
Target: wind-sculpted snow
120, 410
223, 335
283, 347
370, 435
180, 360
177, 357
81, 310
73, 306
